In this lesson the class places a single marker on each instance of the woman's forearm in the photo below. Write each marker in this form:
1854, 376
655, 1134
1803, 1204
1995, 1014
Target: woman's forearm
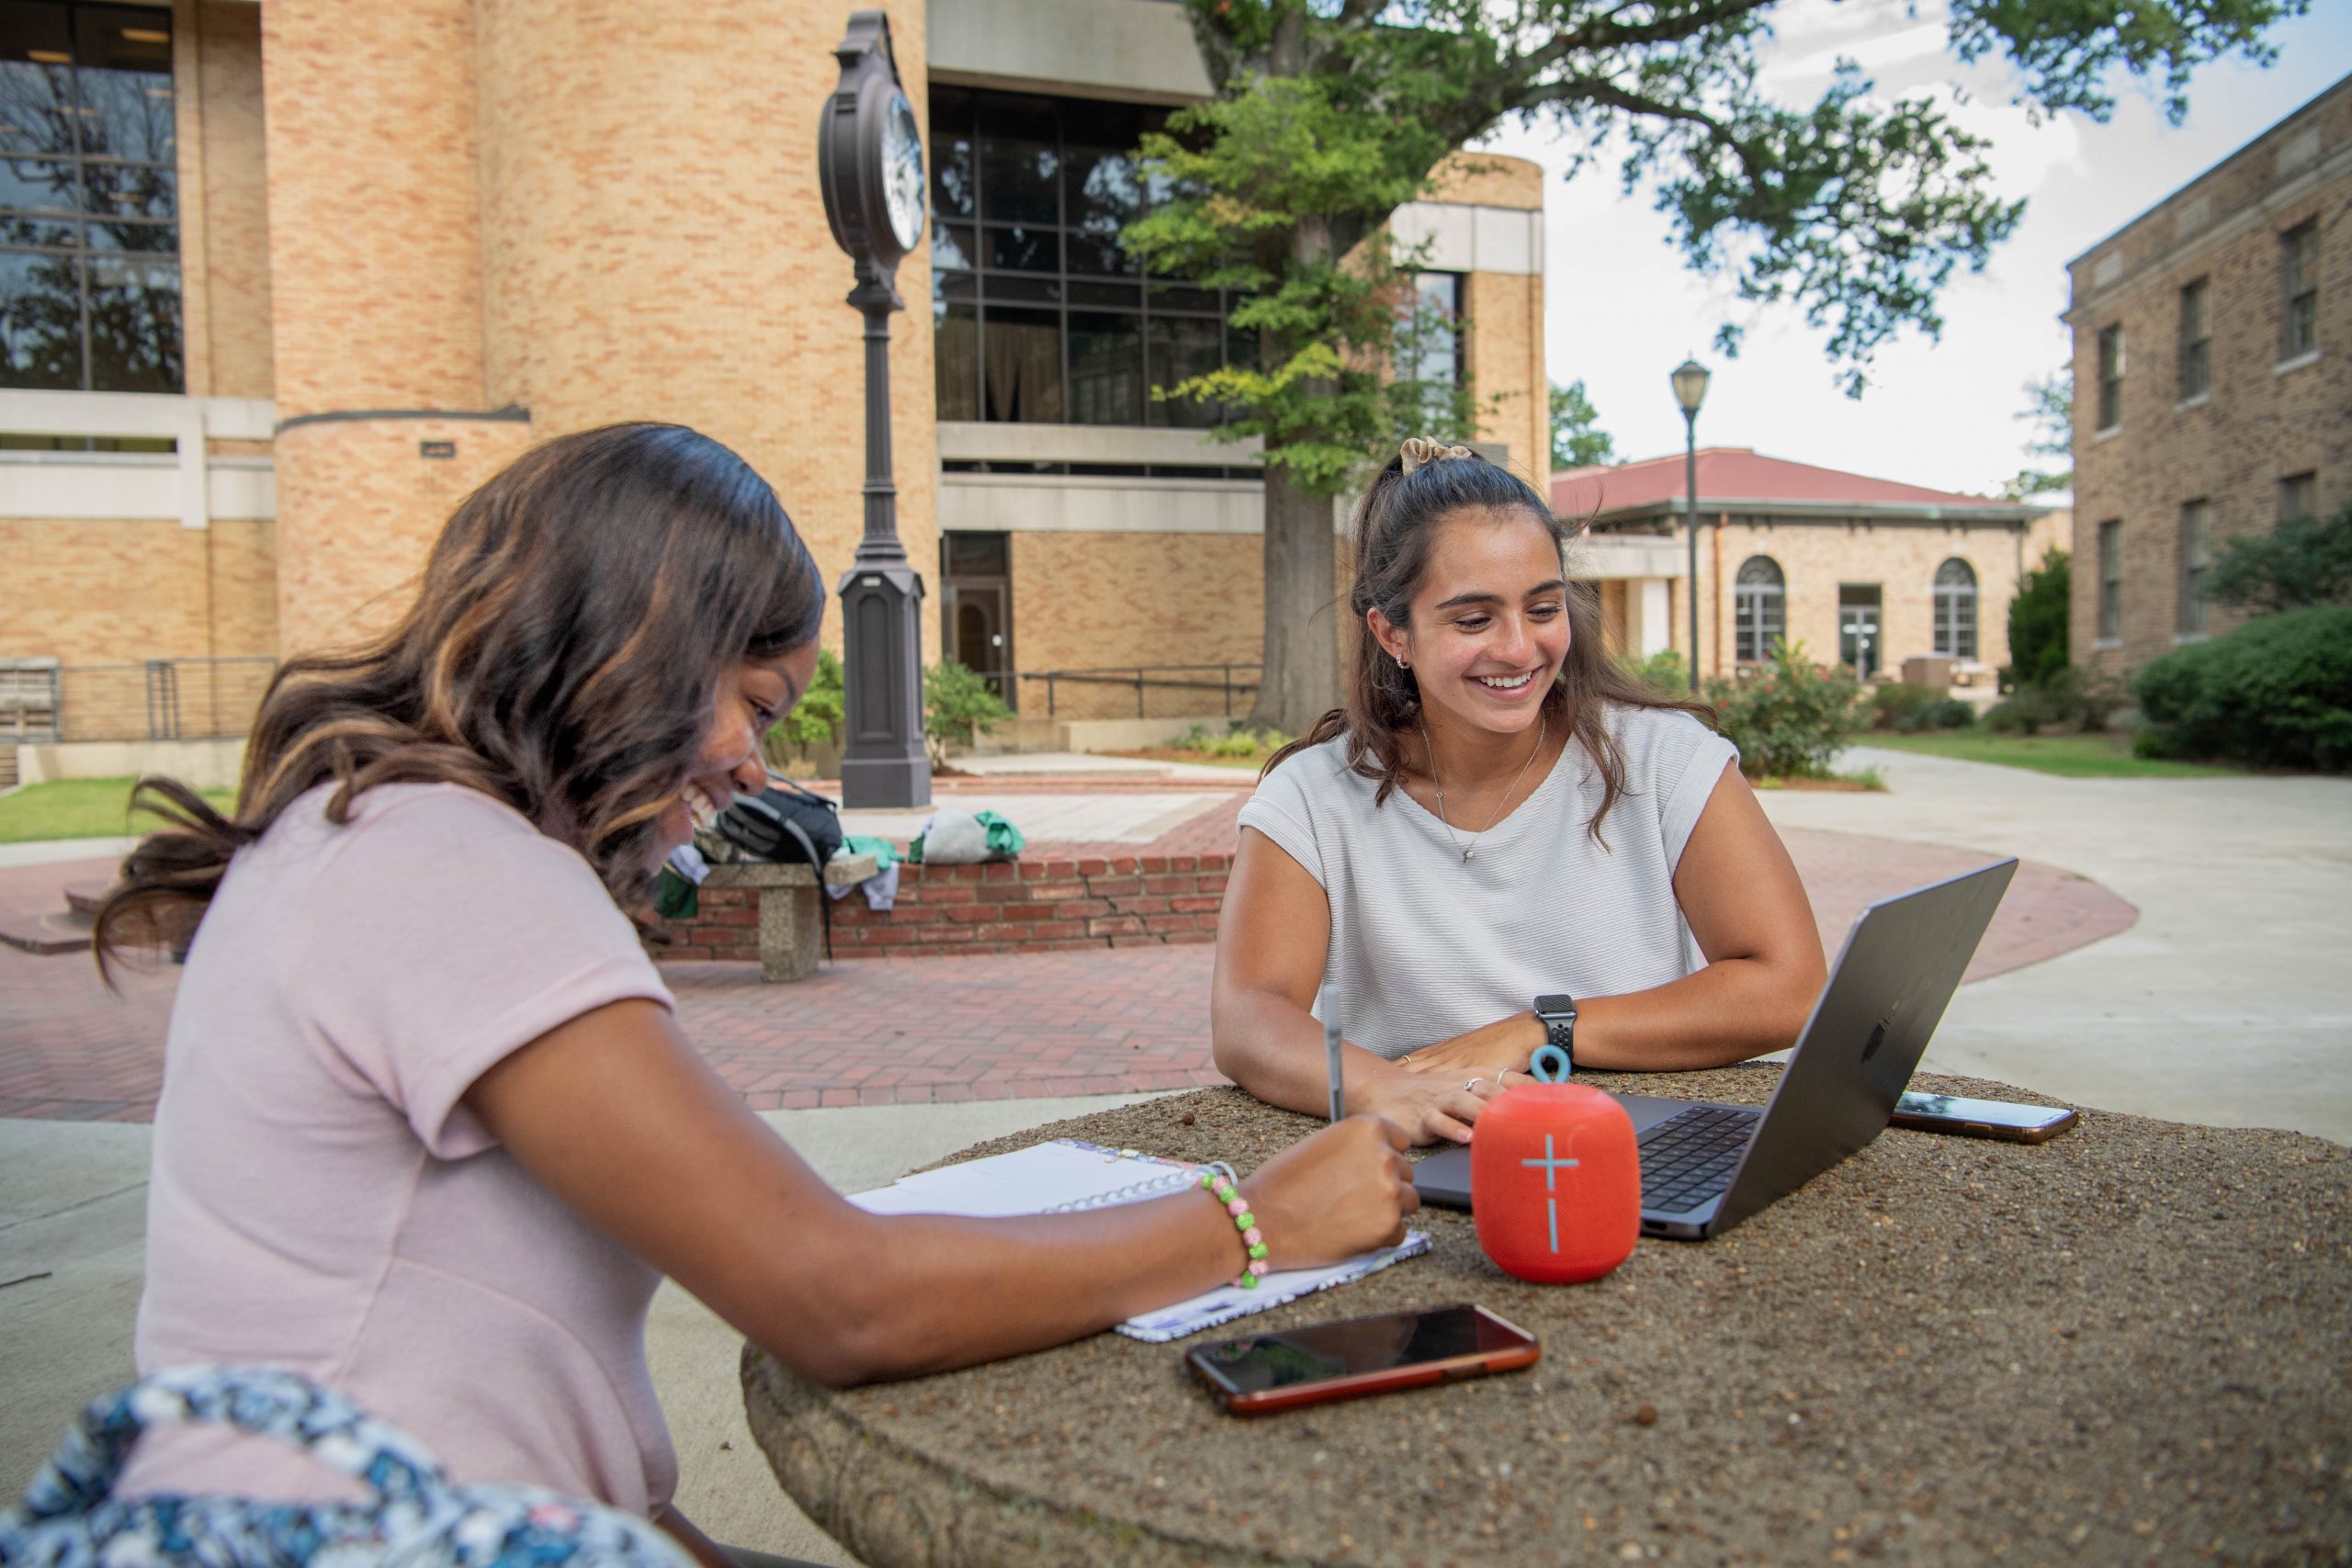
927, 1294
1272, 1047
1729, 1011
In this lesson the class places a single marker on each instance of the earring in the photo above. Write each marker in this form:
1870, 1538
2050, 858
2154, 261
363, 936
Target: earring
1400, 662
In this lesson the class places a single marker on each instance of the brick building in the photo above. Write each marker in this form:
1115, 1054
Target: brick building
279, 285
2212, 381
1861, 571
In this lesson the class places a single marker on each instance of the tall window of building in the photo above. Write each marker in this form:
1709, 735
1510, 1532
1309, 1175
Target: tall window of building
2196, 563
2299, 290
1038, 316
1759, 609
2111, 581
89, 231
2196, 341
2298, 496
2110, 377
1431, 344
1955, 591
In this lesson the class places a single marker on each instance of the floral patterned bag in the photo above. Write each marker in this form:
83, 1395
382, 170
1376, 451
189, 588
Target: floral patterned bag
418, 1519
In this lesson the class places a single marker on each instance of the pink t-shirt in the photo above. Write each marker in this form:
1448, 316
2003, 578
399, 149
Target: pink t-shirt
321, 1200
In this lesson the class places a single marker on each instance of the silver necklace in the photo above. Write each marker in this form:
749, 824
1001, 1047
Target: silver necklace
1472, 847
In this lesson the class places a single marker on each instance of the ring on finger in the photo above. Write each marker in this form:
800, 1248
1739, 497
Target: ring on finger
1473, 1083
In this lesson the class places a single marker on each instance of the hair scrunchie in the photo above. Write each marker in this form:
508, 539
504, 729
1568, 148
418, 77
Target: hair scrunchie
1416, 451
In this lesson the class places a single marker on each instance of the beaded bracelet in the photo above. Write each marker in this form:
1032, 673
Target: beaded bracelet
1218, 1183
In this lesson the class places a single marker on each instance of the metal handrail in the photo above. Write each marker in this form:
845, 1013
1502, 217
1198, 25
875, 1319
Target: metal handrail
1146, 676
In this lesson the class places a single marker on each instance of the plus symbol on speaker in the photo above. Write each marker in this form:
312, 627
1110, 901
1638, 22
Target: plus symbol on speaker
1551, 1167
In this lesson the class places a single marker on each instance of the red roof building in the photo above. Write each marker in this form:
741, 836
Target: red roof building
1859, 570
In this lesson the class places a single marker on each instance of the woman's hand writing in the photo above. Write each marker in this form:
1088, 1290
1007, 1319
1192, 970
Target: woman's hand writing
1345, 1190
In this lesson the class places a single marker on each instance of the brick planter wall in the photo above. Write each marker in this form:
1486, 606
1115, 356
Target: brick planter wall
1030, 906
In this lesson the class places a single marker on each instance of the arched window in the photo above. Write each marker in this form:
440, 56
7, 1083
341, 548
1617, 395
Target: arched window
1956, 609
1759, 609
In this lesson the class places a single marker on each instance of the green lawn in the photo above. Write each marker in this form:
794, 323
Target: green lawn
2069, 756
78, 808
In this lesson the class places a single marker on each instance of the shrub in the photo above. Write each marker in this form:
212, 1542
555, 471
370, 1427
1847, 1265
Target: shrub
2301, 562
959, 703
1951, 712
1896, 705
2276, 693
1787, 716
1662, 671
2067, 699
816, 719
2038, 618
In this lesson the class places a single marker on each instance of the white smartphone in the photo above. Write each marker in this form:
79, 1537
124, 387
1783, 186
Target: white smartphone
1983, 1118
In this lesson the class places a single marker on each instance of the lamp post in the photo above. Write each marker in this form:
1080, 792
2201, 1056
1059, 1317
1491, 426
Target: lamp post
1690, 390
869, 162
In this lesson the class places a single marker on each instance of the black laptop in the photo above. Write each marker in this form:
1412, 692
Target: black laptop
1706, 1168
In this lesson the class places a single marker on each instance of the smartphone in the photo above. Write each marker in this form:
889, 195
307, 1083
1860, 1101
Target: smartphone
1984, 1118
1265, 1372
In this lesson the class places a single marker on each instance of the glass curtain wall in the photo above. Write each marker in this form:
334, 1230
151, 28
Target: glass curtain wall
1038, 316
89, 229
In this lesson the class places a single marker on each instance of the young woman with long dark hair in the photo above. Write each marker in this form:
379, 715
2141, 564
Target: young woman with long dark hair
429, 1132
1498, 814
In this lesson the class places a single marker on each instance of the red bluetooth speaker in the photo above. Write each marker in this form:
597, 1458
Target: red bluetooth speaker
1555, 1183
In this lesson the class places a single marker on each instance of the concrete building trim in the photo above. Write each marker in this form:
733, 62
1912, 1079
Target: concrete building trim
1993, 514
510, 415
192, 422
1017, 503
132, 487
1464, 238
964, 441
1086, 49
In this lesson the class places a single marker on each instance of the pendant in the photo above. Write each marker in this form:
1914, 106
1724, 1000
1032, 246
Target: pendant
1466, 854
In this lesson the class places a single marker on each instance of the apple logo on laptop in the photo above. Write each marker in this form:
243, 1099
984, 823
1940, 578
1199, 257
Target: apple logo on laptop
1877, 1039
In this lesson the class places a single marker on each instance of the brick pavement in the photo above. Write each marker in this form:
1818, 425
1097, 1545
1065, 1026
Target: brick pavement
887, 1030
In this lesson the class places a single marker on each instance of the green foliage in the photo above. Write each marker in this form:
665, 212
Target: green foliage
960, 704
2065, 699
1908, 709
1578, 440
1239, 741
2301, 562
1662, 671
816, 719
2049, 408
1787, 716
2276, 693
2039, 619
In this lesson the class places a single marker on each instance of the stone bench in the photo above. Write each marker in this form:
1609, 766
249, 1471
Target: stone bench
792, 922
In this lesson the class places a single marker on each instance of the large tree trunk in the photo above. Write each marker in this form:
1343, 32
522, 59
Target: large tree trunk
1301, 682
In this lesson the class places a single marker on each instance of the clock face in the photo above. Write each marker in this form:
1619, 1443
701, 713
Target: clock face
903, 181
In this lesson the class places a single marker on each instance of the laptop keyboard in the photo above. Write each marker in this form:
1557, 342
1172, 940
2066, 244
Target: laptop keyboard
1690, 1157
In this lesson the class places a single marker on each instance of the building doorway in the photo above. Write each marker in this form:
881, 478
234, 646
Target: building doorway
976, 607
1859, 642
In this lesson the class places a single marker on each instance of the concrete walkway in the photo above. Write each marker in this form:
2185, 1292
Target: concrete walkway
2229, 1003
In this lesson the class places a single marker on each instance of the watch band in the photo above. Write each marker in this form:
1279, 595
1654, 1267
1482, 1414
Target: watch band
1559, 1016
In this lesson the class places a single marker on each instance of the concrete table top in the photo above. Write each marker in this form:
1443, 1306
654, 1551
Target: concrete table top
2127, 1343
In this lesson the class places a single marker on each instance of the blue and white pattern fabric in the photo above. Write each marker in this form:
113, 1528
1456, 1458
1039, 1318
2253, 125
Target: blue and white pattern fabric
418, 1519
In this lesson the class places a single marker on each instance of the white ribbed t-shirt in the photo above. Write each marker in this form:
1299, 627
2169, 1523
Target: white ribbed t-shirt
1425, 946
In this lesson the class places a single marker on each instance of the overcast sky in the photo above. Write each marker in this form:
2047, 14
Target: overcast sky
1622, 310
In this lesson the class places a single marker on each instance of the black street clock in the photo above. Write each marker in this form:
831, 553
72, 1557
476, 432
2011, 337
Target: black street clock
869, 164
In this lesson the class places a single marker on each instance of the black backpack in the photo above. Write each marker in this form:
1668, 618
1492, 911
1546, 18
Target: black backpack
784, 825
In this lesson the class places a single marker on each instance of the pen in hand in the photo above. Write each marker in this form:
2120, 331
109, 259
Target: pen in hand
1331, 1059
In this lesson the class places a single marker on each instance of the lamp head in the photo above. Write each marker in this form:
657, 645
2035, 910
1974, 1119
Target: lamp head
1690, 385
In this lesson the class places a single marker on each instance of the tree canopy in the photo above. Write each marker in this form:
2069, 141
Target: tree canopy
2049, 408
1329, 114
1578, 440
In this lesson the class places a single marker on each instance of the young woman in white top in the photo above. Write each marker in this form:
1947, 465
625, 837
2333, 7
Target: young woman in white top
430, 1133
1498, 814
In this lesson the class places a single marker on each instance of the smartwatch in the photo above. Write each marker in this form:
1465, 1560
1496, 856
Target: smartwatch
1558, 1015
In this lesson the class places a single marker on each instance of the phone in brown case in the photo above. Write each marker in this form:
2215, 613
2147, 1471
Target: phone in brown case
1983, 1118
1265, 1372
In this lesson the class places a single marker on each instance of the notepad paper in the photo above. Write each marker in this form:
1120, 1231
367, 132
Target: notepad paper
1066, 1176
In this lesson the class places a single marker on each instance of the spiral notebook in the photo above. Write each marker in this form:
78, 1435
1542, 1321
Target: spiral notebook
1066, 1175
